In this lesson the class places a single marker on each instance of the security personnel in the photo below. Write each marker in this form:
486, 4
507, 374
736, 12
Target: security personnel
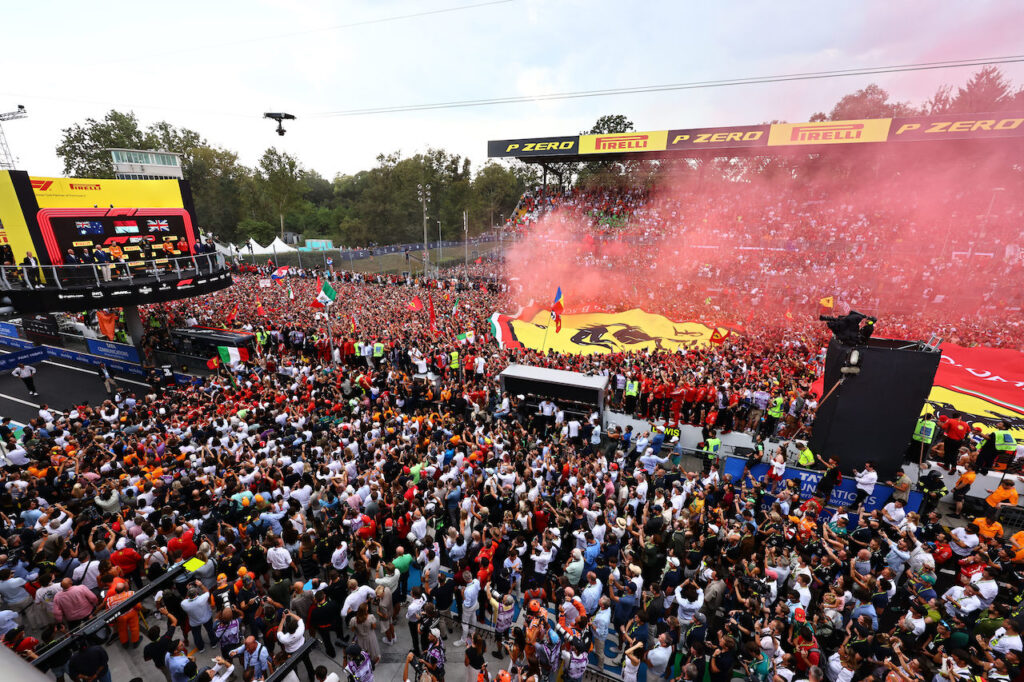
806, 458
712, 445
453, 361
261, 338
632, 393
359, 349
1004, 440
999, 442
773, 415
924, 430
378, 352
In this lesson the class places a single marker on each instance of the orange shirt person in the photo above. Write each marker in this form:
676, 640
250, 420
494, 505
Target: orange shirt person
989, 529
1004, 495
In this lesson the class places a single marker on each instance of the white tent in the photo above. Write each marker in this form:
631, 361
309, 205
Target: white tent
278, 246
253, 247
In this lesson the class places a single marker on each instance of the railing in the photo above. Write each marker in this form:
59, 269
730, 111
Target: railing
99, 274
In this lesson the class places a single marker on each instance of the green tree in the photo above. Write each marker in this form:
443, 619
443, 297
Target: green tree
496, 190
869, 102
279, 181
83, 146
260, 230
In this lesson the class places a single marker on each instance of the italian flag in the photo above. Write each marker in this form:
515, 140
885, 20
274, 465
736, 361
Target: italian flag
229, 355
326, 296
467, 337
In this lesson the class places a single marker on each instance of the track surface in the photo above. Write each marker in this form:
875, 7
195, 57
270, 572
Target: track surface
61, 385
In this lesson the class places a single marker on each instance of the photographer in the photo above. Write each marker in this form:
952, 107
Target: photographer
359, 666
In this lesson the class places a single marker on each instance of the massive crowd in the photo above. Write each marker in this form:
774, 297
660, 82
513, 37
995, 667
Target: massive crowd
362, 473
753, 251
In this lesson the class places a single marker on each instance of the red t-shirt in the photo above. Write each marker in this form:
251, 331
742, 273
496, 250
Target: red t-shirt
185, 544
955, 429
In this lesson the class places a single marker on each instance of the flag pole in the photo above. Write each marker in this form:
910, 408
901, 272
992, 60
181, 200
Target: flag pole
544, 343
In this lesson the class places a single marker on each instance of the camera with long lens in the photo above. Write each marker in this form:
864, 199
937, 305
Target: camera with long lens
754, 585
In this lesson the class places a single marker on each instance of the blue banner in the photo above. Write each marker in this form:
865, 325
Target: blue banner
114, 365
16, 343
842, 494
29, 356
113, 351
8, 329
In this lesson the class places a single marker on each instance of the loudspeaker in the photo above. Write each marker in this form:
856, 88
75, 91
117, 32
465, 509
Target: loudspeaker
871, 415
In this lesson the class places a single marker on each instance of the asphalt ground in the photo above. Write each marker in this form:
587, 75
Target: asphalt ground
61, 385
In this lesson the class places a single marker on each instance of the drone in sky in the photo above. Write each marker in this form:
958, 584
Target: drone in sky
279, 117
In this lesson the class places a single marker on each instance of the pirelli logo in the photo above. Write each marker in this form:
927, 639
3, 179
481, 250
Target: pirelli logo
619, 143
849, 131
830, 132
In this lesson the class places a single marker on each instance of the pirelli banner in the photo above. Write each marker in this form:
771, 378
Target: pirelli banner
777, 135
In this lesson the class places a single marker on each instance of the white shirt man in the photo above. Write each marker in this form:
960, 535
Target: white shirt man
866, 480
967, 541
279, 558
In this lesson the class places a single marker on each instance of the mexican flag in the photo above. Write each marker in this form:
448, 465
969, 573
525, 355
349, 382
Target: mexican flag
326, 296
467, 337
229, 355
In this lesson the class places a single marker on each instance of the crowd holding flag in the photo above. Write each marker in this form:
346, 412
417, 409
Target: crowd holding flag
433, 318
326, 296
718, 336
231, 355
232, 315
259, 308
828, 302
557, 308
415, 305
466, 337
280, 273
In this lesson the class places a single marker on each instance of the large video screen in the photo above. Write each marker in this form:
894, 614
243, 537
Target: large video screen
142, 234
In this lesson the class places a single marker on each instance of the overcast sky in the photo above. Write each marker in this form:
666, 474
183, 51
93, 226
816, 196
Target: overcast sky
215, 66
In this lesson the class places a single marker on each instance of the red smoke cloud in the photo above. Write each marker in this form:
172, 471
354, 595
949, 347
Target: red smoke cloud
926, 239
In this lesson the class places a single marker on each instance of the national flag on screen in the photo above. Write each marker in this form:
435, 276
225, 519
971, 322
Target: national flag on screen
415, 305
230, 354
828, 302
233, 314
326, 296
158, 226
279, 273
85, 227
125, 227
718, 336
